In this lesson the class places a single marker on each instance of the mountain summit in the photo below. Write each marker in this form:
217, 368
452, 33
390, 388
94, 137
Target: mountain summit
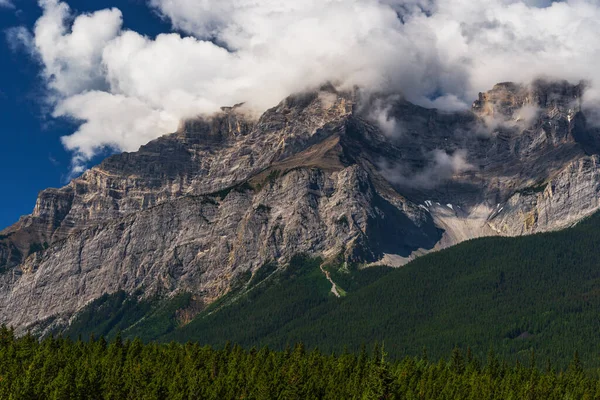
344, 176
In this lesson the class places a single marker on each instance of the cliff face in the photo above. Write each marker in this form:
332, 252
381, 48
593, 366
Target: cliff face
325, 173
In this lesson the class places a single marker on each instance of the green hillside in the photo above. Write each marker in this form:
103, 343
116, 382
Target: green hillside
537, 292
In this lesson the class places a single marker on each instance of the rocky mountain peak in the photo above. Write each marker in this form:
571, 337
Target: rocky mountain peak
326, 103
229, 123
507, 98
207, 206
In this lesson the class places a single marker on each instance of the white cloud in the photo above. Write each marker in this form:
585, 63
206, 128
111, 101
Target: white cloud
122, 122
72, 54
441, 167
18, 38
6, 4
379, 112
527, 114
437, 53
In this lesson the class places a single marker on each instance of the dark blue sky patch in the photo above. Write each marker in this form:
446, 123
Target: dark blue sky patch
31, 155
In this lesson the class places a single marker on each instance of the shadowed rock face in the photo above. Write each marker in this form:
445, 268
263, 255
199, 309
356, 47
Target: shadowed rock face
318, 174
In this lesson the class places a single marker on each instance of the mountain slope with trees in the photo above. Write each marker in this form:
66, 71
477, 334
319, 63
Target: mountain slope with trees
538, 292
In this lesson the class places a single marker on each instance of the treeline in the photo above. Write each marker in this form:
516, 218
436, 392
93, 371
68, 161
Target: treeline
60, 368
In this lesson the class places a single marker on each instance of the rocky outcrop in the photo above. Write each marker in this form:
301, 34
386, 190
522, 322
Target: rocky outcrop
204, 156
210, 204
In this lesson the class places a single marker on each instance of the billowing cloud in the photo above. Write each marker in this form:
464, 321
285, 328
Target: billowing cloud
6, 4
72, 54
126, 88
122, 122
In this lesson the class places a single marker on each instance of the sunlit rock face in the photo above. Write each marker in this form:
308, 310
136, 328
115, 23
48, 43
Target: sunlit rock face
359, 178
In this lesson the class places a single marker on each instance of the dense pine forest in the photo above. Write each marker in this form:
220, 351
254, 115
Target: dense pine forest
59, 368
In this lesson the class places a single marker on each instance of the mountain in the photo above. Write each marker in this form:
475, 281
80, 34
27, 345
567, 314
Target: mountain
350, 178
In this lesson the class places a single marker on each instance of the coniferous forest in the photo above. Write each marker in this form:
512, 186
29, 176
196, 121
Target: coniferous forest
60, 368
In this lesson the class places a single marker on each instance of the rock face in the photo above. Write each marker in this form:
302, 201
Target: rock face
338, 175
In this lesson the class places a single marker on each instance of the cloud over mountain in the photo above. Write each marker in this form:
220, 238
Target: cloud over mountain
126, 88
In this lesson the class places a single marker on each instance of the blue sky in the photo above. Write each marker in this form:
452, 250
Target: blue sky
32, 157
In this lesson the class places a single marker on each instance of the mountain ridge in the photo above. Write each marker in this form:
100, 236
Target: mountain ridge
323, 173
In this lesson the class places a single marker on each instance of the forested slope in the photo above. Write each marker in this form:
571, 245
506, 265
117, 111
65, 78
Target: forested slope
537, 292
